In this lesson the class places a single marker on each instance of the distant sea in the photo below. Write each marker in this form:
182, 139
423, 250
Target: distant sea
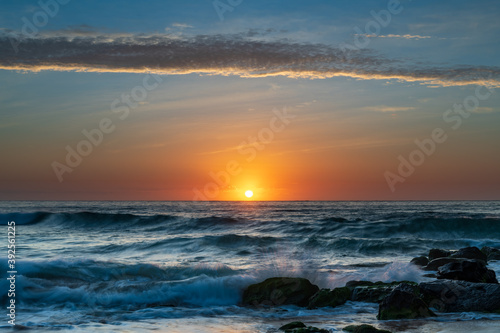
182, 266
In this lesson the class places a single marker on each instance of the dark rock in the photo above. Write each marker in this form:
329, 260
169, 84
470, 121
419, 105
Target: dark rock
279, 291
352, 284
292, 325
438, 253
420, 261
491, 253
440, 258
403, 303
467, 270
299, 327
470, 253
308, 329
461, 296
374, 292
327, 297
19, 327
436, 263
363, 329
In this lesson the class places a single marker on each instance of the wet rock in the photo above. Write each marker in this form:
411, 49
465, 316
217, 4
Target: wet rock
420, 261
403, 303
373, 292
430, 275
279, 291
491, 253
352, 284
467, 270
461, 296
470, 253
327, 297
438, 253
436, 263
363, 329
309, 329
292, 325
300, 327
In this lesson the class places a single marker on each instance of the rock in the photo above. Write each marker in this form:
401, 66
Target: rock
491, 253
363, 329
403, 303
470, 253
430, 275
373, 292
467, 270
308, 329
352, 284
458, 256
438, 253
19, 327
327, 297
420, 261
461, 296
292, 325
280, 291
436, 263
300, 327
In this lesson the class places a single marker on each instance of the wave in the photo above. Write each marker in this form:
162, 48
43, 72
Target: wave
94, 285
93, 219
91, 270
416, 226
87, 218
182, 244
103, 284
24, 218
224, 235
488, 227
390, 246
416, 223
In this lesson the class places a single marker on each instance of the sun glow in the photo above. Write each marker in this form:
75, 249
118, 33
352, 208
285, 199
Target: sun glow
249, 194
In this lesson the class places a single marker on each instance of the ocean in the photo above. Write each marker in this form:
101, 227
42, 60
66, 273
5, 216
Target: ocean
85, 266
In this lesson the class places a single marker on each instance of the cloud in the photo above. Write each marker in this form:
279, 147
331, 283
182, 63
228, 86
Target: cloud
385, 108
77, 30
224, 55
484, 110
407, 36
181, 25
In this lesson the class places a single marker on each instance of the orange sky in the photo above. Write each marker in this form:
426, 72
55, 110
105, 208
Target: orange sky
183, 106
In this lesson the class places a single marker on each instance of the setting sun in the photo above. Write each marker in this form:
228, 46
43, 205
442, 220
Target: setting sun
249, 194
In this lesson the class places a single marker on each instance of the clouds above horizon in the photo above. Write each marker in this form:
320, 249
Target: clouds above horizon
406, 36
236, 54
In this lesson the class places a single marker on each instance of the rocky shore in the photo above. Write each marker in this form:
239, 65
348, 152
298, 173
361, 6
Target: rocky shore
463, 283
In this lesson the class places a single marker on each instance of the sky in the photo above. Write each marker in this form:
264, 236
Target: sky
293, 100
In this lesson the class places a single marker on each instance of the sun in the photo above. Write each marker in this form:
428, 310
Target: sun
249, 194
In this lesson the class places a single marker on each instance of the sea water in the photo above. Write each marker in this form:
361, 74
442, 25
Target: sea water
182, 266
